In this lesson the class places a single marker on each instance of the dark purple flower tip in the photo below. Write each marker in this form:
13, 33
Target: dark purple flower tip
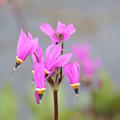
39, 95
76, 87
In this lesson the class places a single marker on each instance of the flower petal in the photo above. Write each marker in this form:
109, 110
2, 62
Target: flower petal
39, 76
54, 39
82, 52
39, 54
47, 29
72, 71
36, 97
48, 51
52, 56
30, 36
61, 61
97, 63
60, 27
70, 29
35, 44
21, 41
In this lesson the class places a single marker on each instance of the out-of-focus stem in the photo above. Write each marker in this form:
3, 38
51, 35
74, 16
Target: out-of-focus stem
55, 94
93, 105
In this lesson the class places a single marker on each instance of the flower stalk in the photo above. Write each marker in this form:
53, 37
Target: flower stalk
93, 104
55, 94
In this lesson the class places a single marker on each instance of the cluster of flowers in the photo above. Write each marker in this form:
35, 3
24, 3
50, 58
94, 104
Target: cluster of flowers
50, 69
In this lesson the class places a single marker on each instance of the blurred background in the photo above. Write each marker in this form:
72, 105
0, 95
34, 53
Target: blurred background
96, 22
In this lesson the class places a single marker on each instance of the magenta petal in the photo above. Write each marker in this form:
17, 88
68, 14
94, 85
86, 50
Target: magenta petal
28, 48
60, 27
97, 63
52, 55
88, 66
55, 52
30, 36
66, 36
54, 39
39, 54
36, 97
61, 61
35, 45
39, 76
82, 52
21, 41
47, 29
70, 29
72, 71
48, 51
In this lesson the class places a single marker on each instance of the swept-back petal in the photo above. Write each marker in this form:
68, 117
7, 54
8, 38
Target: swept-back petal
61, 61
47, 29
30, 37
21, 41
54, 39
72, 71
39, 76
82, 52
97, 63
36, 97
70, 29
35, 44
55, 52
60, 27
88, 66
38, 55
48, 51
29, 47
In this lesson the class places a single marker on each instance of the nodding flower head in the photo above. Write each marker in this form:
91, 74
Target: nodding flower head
72, 71
62, 32
26, 46
88, 65
81, 51
39, 79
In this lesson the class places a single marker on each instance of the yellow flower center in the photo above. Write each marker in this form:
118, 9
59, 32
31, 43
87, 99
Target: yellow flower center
18, 61
40, 91
75, 86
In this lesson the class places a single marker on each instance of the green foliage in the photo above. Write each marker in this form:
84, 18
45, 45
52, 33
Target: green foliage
107, 102
8, 104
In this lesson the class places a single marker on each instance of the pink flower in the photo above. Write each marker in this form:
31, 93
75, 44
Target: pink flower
26, 46
40, 80
62, 32
72, 71
2, 2
54, 59
82, 51
88, 65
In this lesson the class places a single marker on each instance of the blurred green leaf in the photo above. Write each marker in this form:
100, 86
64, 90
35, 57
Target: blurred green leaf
8, 104
107, 102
